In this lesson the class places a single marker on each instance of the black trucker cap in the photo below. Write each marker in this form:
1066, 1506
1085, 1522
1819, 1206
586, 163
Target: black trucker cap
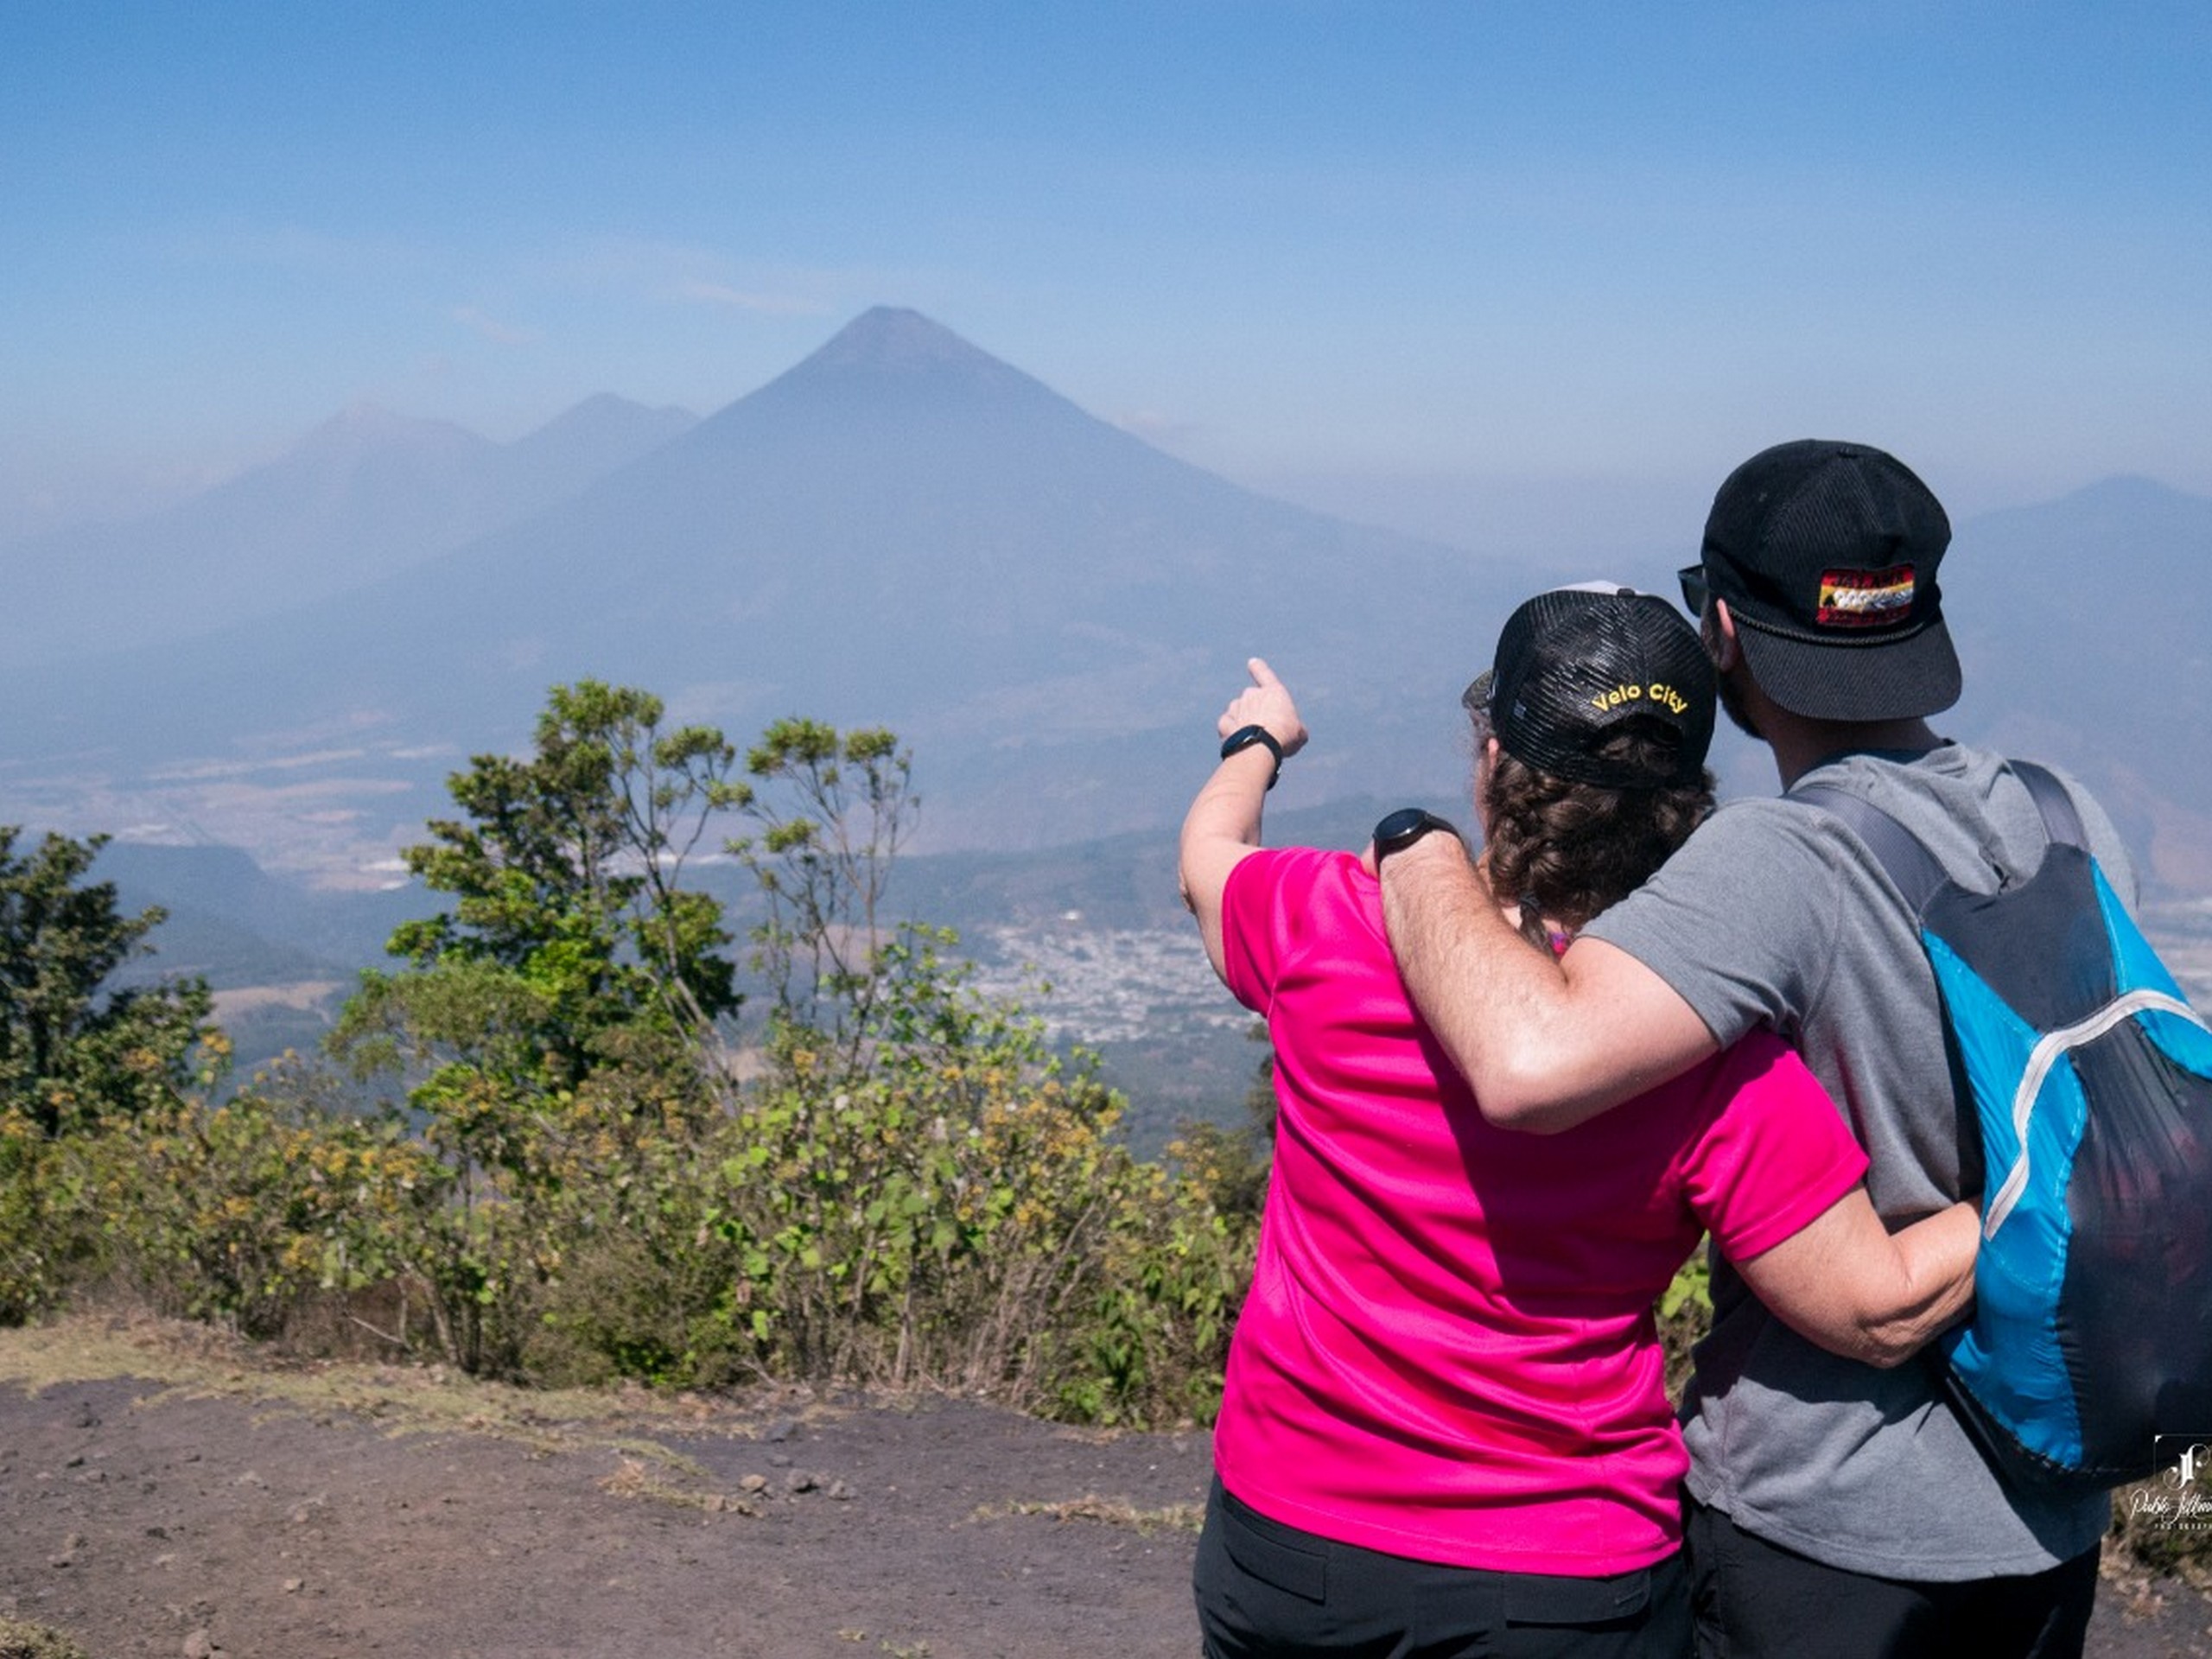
1826, 554
1575, 665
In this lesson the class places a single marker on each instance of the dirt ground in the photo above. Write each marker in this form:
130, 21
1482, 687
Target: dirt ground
164, 1502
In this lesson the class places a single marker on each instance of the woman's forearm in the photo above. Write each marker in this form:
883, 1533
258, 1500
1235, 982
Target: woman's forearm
1847, 1283
1224, 823
1221, 826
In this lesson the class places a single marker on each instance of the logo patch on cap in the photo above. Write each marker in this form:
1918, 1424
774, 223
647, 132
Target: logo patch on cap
1865, 599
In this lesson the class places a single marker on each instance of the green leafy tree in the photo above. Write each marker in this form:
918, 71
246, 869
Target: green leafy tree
78, 1056
574, 978
73, 1047
830, 811
566, 875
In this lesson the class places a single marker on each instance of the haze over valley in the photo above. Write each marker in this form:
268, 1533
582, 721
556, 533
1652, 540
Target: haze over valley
901, 529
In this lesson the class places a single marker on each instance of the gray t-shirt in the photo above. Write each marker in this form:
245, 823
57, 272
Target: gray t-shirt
1774, 914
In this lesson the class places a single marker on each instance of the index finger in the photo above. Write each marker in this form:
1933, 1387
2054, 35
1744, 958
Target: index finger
1262, 675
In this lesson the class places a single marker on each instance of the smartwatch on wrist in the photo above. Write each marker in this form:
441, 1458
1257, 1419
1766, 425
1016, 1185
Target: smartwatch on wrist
1246, 737
1400, 829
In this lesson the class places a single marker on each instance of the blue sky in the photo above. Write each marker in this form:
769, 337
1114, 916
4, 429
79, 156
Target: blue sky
1532, 272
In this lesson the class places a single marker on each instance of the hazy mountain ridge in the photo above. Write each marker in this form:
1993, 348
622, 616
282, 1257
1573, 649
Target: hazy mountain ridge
368, 493
903, 530
900, 530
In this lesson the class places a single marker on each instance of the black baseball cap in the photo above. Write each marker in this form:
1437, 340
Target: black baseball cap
1576, 664
1826, 554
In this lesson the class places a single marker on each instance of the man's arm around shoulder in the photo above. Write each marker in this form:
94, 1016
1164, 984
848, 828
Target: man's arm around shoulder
1544, 1045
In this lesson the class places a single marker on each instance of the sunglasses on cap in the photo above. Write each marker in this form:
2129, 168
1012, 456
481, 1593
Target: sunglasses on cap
1695, 589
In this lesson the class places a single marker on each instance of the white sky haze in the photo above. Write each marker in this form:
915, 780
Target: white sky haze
1467, 267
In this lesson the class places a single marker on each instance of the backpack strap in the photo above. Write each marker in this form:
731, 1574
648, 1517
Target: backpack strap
1912, 869
2062, 819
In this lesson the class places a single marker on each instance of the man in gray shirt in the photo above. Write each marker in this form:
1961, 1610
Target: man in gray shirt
1835, 1510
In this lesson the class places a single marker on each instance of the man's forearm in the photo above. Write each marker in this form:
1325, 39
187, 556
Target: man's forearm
1478, 985
1544, 1048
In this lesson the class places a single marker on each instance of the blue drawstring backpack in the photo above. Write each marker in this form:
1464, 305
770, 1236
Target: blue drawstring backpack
2087, 1078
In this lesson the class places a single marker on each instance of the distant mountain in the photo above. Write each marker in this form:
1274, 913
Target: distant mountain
901, 529
364, 495
596, 437
223, 907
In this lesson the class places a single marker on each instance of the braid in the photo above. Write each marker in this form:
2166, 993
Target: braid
1570, 849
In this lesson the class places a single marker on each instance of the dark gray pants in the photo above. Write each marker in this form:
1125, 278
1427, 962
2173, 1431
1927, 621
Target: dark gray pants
1265, 1588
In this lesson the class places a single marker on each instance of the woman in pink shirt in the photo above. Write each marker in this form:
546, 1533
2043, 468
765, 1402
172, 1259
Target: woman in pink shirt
1444, 1429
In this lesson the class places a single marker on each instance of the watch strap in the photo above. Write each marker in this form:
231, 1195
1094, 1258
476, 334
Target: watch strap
1247, 737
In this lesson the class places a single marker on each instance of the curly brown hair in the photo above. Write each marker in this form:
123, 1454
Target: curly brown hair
1567, 850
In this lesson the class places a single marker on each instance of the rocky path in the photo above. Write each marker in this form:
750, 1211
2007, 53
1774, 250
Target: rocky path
327, 1518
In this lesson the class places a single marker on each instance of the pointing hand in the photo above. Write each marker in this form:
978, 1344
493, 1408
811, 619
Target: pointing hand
1266, 702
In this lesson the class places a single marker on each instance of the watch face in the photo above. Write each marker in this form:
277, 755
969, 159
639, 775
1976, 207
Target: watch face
1405, 826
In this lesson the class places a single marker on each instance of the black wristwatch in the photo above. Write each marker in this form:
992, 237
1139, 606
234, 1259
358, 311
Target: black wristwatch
1245, 737
1400, 829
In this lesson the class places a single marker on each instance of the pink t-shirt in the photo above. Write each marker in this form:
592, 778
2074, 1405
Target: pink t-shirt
1448, 1351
